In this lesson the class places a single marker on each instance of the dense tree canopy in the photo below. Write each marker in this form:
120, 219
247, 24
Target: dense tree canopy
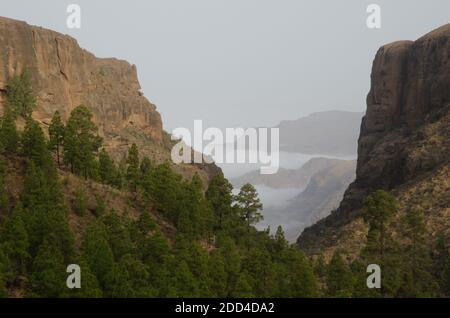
182, 241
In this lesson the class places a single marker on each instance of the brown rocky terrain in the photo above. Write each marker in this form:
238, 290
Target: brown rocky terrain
404, 143
64, 76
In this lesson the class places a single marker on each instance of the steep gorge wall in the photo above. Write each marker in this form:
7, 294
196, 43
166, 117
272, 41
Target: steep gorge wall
404, 140
64, 76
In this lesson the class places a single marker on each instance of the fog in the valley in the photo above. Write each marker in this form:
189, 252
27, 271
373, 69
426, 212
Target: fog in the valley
277, 208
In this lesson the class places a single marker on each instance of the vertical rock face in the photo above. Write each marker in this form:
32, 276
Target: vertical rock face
64, 76
410, 81
405, 133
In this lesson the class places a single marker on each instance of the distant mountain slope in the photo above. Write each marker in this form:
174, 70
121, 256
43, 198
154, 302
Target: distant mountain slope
326, 133
286, 178
323, 193
324, 182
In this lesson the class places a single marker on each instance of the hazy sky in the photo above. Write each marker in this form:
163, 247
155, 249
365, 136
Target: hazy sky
240, 62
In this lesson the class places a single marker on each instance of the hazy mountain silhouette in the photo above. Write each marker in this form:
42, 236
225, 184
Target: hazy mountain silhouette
326, 133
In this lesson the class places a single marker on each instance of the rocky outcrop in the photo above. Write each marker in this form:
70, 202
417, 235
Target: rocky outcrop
64, 76
404, 138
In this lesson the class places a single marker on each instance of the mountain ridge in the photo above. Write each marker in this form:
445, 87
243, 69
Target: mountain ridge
64, 75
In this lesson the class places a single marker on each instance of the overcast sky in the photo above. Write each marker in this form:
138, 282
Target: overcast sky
240, 62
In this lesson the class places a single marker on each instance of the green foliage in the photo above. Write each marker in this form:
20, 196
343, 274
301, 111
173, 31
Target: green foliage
380, 206
418, 281
81, 141
100, 208
97, 251
120, 256
90, 287
20, 99
146, 166
220, 198
48, 278
56, 134
4, 267
9, 138
243, 287
4, 199
133, 168
14, 240
249, 207
339, 278
249, 204
163, 187
445, 277
217, 251
117, 230
34, 145
129, 278
107, 168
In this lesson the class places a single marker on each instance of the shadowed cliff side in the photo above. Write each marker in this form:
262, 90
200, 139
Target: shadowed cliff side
404, 144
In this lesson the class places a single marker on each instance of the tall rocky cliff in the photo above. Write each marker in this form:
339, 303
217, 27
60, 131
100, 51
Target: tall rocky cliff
64, 76
404, 143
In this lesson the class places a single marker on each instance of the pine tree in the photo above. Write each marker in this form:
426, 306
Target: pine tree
97, 252
163, 187
217, 275
145, 167
249, 207
15, 243
230, 253
379, 208
320, 266
20, 99
154, 251
260, 268
339, 278
107, 169
243, 287
121, 173
56, 134
81, 141
4, 265
380, 248
49, 273
4, 199
299, 274
34, 145
184, 281
195, 217
445, 277
129, 278
419, 281
9, 138
220, 197
133, 167
118, 234
280, 241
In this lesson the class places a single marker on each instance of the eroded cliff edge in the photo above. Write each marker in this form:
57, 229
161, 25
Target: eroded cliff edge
404, 143
64, 76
